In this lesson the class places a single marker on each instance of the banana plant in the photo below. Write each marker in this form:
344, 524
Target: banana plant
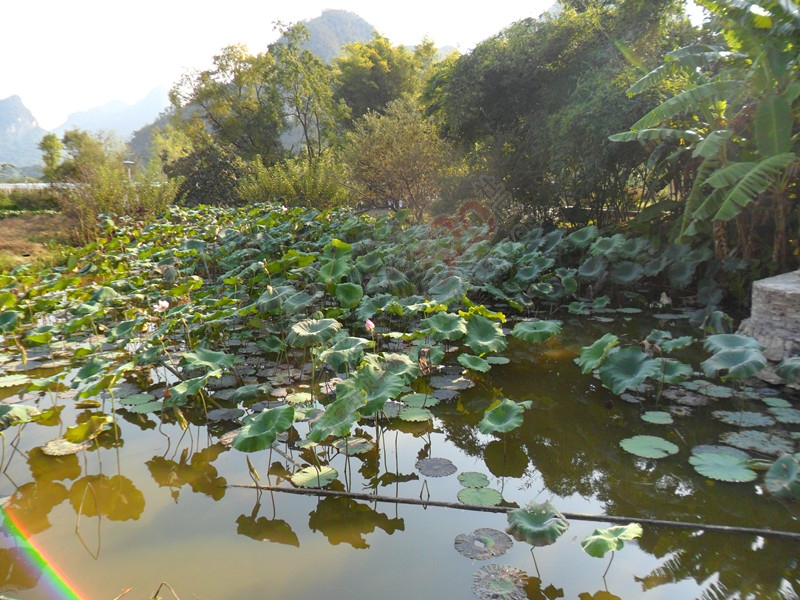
735, 118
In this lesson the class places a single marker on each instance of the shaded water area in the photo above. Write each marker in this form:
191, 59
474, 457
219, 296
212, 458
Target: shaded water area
157, 503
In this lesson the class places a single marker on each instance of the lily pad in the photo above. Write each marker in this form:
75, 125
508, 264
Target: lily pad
436, 467
758, 441
447, 382
419, 400
536, 331
657, 417
473, 479
14, 380
648, 446
776, 402
494, 582
483, 496
483, 543
722, 466
744, 418
414, 414
313, 477
536, 524
610, 539
61, 447
627, 368
354, 445
786, 415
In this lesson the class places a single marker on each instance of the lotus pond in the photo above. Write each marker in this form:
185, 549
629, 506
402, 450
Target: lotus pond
404, 396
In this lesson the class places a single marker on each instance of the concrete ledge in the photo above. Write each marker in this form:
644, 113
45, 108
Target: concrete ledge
775, 316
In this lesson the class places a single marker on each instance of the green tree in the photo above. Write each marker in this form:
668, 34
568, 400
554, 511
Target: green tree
303, 85
237, 101
209, 174
372, 74
735, 116
534, 105
397, 159
52, 150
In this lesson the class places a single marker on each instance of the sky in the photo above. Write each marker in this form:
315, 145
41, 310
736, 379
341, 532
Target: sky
64, 57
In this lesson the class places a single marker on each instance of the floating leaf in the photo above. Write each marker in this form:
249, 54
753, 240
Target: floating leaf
758, 441
610, 539
494, 582
61, 447
16, 414
648, 446
722, 466
730, 341
414, 414
354, 445
313, 477
786, 415
536, 524
7, 381
483, 544
473, 479
776, 402
743, 418
536, 331
503, 416
657, 417
435, 467
419, 400
88, 430
480, 496
783, 477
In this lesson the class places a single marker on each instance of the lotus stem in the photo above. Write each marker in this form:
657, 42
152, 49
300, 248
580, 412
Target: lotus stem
609, 565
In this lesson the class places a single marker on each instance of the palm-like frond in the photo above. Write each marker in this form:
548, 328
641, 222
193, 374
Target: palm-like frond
712, 143
655, 135
690, 100
684, 60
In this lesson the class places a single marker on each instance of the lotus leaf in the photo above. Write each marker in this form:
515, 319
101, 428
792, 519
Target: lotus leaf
13, 380
610, 539
473, 479
419, 400
299, 398
348, 294
536, 524
451, 382
414, 414
210, 360
776, 402
494, 582
722, 466
497, 360
593, 356
313, 477
483, 544
333, 269
346, 351
339, 416
626, 272
445, 326
758, 441
786, 415
387, 279
783, 477
536, 331
739, 363
743, 418
61, 447
248, 393
378, 386
582, 237
261, 430
449, 289
789, 369
312, 331
354, 445
9, 320
474, 363
484, 335
657, 417
88, 430
648, 446
730, 341
672, 371
435, 467
480, 496
533, 268
503, 416
627, 368
16, 414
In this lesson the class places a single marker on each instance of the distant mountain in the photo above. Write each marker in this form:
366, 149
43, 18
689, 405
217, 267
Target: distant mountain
19, 134
118, 116
334, 29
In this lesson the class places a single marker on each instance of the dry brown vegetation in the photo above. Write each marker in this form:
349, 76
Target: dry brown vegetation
30, 238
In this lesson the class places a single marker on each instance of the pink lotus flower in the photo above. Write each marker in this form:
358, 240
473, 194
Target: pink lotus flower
369, 325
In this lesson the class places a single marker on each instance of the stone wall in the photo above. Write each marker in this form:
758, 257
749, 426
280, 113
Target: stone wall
775, 316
